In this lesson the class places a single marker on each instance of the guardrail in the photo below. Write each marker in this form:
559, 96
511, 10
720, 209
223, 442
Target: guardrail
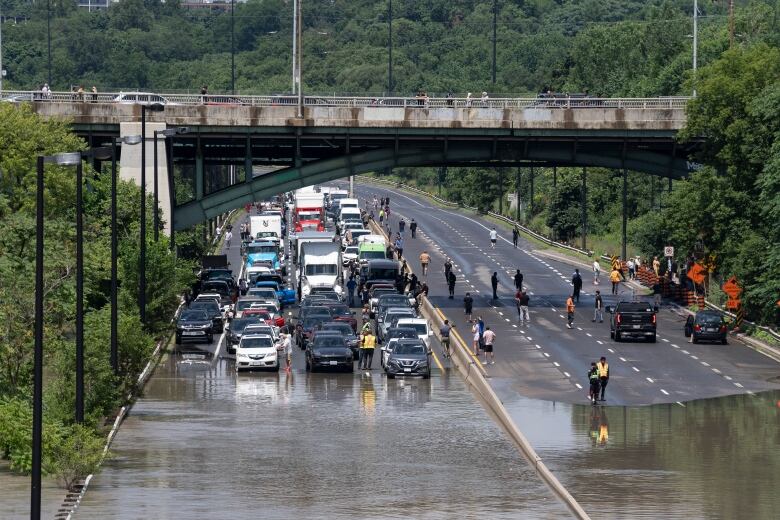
530, 232
556, 102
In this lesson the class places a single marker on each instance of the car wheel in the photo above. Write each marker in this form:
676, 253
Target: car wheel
177, 340
426, 376
611, 333
653, 339
694, 339
276, 368
210, 338
724, 341
308, 366
351, 369
390, 376
617, 337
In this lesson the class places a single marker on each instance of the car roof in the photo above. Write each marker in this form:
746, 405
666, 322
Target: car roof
394, 310
380, 262
250, 336
413, 320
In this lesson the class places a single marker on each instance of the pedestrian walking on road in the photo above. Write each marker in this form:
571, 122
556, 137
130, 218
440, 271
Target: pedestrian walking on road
515, 236
351, 286
425, 259
287, 351
570, 311
522, 300
451, 284
657, 293
614, 277
603, 368
228, 239
242, 286
630, 264
576, 282
494, 284
367, 345
493, 237
468, 305
596, 272
413, 228
593, 380
447, 269
476, 338
518, 280
381, 216
401, 225
656, 266
598, 309
444, 332
413, 284
488, 338
399, 247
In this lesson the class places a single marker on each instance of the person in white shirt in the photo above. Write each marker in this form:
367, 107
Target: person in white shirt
287, 350
596, 272
493, 238
488, 338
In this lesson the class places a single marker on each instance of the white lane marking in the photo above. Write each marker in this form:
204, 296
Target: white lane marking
739, 385
623, 359
664, 392
611, 350
705, 363
716, 370
678, 402
650, 380
561, 315
635, 369
579, 328
578, 385
515, 326
685, 352
588, 334
727, 378
530, 338
507, 319
500, 313
694, 357
675, 346
599, 342
556, 363
567, 374
665, 340
546, 354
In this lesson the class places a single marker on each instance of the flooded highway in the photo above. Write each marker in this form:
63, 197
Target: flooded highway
320, 445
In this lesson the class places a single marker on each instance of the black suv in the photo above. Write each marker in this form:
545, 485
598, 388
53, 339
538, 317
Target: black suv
410, 357
632, 320
213, 310
329, 351
194, 325
706, 326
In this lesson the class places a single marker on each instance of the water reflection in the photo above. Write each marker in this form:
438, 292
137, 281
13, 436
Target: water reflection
714, 458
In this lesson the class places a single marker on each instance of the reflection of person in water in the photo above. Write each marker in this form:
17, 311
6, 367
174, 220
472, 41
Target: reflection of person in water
599, 426
367, 395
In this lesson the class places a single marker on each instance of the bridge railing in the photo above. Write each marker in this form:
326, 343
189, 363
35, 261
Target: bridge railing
541, 102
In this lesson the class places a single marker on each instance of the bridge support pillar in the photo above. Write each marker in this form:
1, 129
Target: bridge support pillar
130, 166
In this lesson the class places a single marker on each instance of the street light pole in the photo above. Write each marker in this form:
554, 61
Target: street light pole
295, 47
37, 426
232, 52
695, 41
79, 293
495, 31
299, 61
48, 38
114, 356
390, 48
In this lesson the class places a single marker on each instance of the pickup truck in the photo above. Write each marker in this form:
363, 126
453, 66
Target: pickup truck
632, 320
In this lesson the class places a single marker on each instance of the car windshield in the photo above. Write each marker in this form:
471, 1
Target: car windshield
217, 287
206, 306
710, 320
263, 294
194, 315
239, 324
420, 328
372, 255
217, 274
260, 342
403, 301
258, 312
305, 215
251, 250
351, 250
329, 341
313, 321
634, 307
321, 269
342, 329
382, 274
402, 333
255, 329
317, 311
245, 304
379, 292
340, 310
409, 348
267, 234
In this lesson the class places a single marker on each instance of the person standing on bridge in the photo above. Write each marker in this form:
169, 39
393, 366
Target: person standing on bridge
488, 338
351, 285
515, 236
381, 216
367, 345
570, 311
399, 246
228, 238
493, 237
413, 228
576, 282
598, 309
204, 91
614, 277
518, 280
468, 305
451, 284
494, 284
425, 260
447, 269
287, 350
401, 225
603, 369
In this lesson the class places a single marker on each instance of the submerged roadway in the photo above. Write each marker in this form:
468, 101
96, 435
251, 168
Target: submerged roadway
545, 360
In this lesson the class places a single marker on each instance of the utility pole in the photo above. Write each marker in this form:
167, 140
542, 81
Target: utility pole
495, 30
390, 48
299, 60
1, 50
695, 42
48, 38
295, 46
625, 214
232, 51
584, 203
517, 195
731, 23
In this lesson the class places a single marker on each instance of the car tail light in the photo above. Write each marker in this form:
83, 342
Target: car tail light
697, 328
723, 328
654, 319
618, 318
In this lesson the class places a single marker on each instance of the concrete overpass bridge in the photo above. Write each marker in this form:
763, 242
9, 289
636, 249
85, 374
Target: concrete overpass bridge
316, 139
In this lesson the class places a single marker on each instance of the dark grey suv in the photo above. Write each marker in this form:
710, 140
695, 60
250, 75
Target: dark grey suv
410, 357
706, 326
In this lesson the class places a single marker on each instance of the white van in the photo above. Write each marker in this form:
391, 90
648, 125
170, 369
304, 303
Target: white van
420, 325
349, 215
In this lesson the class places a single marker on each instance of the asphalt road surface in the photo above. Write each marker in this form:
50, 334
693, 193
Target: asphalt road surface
546, 360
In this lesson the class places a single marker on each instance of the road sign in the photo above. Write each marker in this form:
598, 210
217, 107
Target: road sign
669, 251
733, 304
732, 288
696, 273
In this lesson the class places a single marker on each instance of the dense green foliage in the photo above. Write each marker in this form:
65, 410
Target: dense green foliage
611, 47
23, 136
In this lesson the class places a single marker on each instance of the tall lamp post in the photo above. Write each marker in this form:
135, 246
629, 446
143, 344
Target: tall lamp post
232, 50
170, 132
155, 107
129, 140
390, 48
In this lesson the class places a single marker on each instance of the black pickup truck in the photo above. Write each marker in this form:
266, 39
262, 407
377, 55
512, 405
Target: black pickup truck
632, 320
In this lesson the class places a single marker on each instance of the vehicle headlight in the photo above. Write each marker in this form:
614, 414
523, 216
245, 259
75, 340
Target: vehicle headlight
242, 356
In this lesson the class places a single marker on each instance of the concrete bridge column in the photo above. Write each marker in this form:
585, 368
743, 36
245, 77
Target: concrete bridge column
130, 166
